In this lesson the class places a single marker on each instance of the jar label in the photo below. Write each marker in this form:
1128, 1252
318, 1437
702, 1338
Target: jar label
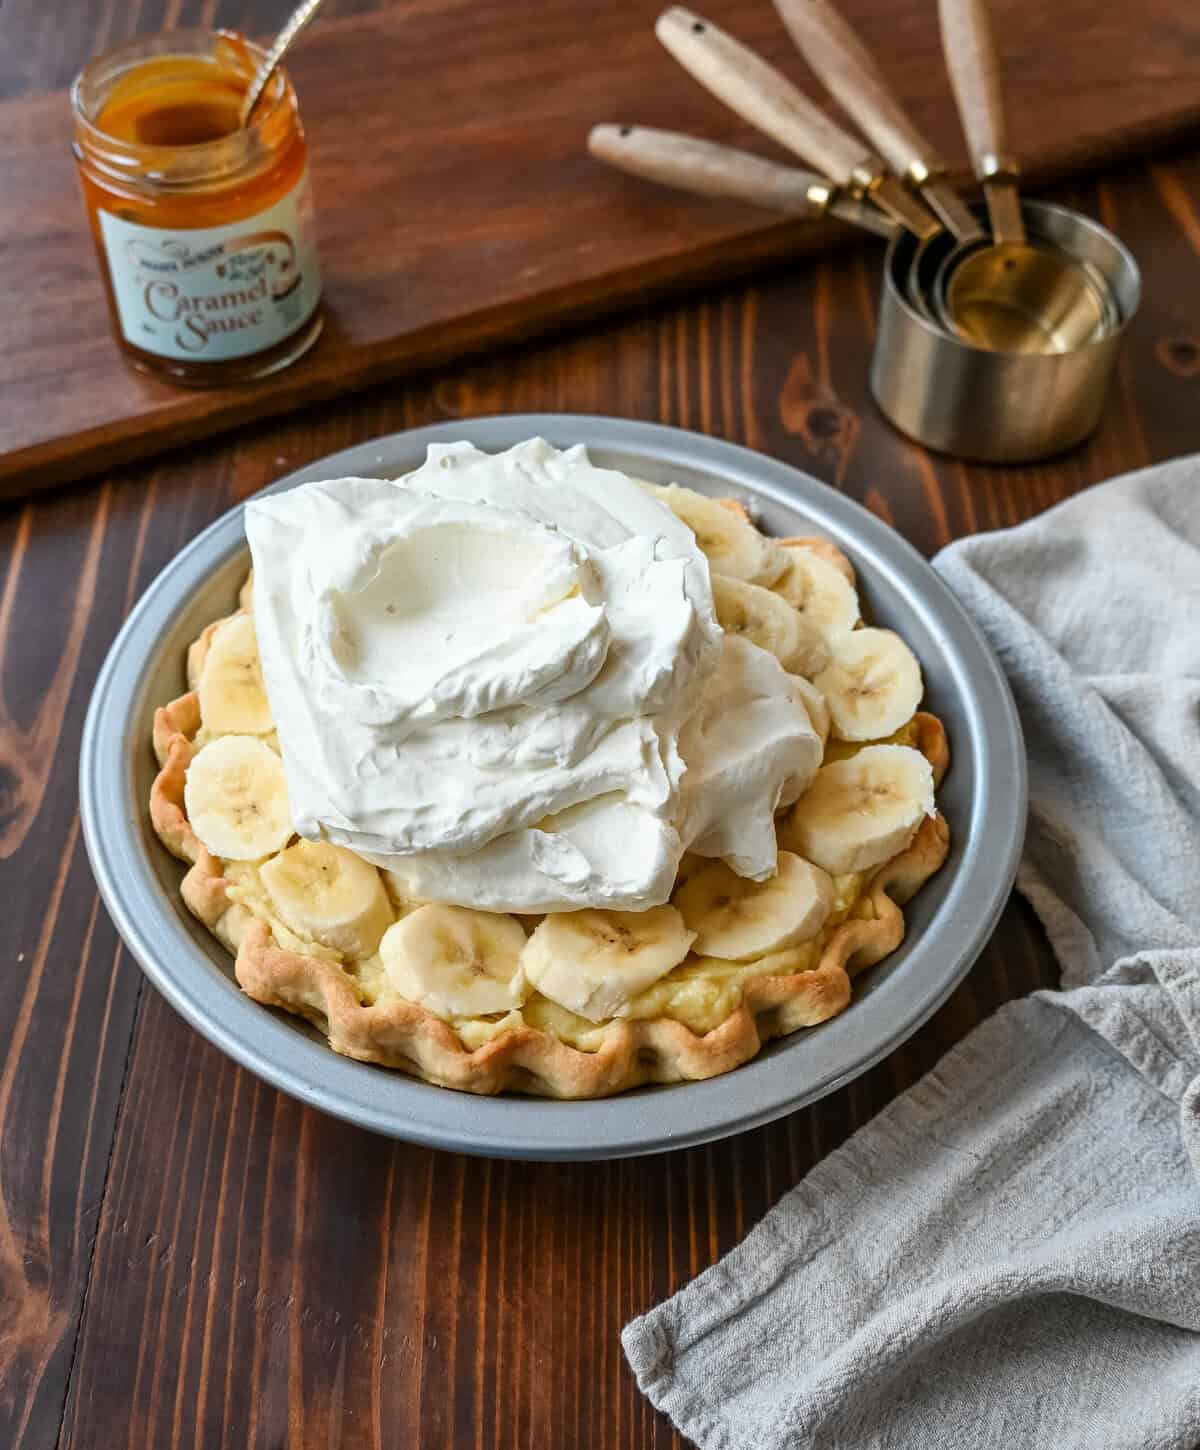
210, 293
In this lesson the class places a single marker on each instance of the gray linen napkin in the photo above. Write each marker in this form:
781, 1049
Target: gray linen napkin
1009, 1254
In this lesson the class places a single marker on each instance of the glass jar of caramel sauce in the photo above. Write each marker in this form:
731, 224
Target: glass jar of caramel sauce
203, 227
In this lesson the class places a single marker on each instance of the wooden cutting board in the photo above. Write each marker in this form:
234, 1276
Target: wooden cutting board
458, 208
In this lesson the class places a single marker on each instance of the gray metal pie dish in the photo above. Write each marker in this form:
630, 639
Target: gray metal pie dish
983, 798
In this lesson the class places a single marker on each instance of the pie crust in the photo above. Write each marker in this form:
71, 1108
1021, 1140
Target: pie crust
522, 1057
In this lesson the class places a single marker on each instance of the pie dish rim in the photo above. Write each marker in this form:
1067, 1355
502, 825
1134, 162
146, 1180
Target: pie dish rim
529, 1058
988, 751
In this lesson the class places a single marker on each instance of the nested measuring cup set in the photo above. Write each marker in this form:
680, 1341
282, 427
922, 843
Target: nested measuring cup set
998, 324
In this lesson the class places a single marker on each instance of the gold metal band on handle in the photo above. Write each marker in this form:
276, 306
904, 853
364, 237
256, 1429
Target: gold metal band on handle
1003, 168
821, 195
864, 176
918, 174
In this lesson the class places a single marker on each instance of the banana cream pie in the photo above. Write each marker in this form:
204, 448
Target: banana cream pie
520, 774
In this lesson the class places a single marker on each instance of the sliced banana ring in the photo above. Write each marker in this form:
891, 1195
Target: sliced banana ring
824, 549
860, 812
741, 920
236, 798
327, 894
456, 962
594, 962
824, 596
872, 684
767, 621
726, 537
233, 698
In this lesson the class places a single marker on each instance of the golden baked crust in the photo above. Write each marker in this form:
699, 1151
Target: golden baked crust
523, 1057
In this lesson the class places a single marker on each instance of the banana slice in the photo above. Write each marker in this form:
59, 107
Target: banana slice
824, 549
732, 545
739, 920
593, 962
767, 621
329, 895
815, 704
821, 592
689, 864
860, 812
236, 798
456, 962
233, 699
872, 685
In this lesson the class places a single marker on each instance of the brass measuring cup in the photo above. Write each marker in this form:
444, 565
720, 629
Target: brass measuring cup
1058, 303
991, 405
997, 291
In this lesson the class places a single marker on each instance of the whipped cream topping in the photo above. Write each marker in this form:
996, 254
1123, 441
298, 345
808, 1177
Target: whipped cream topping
750, 750
428, 610
501, 679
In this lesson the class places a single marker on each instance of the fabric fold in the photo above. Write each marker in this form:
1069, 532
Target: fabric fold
1009, 1254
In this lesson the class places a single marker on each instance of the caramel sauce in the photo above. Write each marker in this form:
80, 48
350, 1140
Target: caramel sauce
166, 152
180, 101
175, 101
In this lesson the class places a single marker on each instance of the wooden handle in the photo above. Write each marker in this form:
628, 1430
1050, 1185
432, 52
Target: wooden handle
703, 167
760, 94
850, 74
970, 49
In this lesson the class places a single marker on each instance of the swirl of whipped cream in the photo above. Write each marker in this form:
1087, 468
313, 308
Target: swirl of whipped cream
501, 679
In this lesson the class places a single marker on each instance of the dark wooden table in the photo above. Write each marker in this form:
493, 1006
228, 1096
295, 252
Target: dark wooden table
188, 1258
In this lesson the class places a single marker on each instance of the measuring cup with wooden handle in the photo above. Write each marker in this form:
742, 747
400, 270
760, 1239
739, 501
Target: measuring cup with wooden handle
765, 98
688, 163
970, 51
849, 72
1006, 293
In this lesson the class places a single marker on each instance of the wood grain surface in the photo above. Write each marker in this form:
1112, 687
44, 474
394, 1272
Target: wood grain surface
456, 204
191, 1261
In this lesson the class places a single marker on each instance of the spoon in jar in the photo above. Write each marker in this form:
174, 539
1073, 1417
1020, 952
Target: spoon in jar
299, 18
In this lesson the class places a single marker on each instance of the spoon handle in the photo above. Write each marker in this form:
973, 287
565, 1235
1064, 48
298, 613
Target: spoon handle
850, 74
299, 18
764, 97
760, 94
970, 47
970, 50
689, 164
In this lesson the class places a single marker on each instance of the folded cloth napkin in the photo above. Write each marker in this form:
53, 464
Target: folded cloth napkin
1009, 1254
